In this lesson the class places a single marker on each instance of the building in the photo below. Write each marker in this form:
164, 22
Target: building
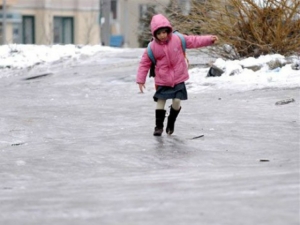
50, 21
110, 22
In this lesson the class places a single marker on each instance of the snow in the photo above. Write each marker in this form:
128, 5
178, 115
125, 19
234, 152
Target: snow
77, 146
236, 75
23, 56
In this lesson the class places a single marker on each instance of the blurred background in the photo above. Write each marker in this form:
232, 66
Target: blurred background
249, 27
81, 22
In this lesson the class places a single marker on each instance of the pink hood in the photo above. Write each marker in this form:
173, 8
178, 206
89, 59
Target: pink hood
159, 21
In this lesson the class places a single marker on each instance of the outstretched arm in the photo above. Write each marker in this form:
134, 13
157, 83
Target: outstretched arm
197, 41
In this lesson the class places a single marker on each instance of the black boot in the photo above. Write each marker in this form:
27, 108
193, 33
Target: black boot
159, 121
171, 120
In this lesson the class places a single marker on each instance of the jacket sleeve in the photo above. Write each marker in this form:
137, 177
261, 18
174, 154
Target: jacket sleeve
194, 41
143, 69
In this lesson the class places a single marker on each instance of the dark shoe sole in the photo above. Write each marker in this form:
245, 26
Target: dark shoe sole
158, 132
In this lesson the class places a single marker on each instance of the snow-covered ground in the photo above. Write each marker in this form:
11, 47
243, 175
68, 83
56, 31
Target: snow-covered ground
76, 143
16, 57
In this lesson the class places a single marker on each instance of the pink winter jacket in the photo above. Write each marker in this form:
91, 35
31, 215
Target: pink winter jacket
171, 67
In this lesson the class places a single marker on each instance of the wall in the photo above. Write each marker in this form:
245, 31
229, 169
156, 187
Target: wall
84, 12
86, 16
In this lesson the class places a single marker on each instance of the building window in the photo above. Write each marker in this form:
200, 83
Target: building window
142, 11
63, 32
114, 10
28, 30
145, 10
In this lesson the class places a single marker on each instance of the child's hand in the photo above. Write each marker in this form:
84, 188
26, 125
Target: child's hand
141, 86
214, 39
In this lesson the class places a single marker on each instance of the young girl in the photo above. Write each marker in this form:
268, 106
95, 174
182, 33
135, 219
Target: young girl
171, 70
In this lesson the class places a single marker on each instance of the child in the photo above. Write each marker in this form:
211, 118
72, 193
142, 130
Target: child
171, 69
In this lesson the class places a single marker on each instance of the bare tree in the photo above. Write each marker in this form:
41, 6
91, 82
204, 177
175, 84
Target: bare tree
252, 28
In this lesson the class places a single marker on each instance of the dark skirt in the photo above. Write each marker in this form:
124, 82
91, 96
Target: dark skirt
178, 91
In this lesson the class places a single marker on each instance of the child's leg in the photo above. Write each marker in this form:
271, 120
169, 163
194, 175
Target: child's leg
174, 111
160, 104
160, 113
176, 104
